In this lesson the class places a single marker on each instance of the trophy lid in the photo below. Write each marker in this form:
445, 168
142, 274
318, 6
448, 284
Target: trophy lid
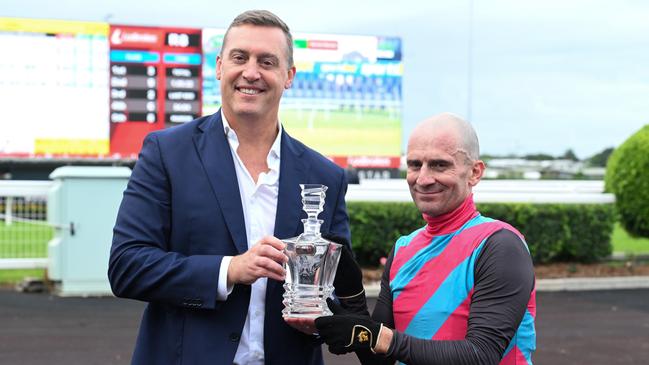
313, 200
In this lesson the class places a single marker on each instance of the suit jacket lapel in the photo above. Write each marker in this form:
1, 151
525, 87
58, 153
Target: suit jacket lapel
293, 172
214, 152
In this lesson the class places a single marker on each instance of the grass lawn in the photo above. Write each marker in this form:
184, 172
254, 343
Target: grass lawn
623, 242
23, 240
16, 275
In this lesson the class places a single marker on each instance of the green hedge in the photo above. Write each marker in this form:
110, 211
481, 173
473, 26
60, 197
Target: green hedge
554, 232
627, 176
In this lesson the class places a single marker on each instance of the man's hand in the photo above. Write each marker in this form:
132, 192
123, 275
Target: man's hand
346, 332
348, 281
304, 325
264, 259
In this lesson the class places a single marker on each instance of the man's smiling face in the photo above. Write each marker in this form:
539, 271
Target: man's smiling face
254, 71
440, 175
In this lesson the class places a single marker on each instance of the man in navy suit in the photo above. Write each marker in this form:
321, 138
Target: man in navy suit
196, 234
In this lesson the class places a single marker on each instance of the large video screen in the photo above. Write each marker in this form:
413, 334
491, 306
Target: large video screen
96, 89
53, 88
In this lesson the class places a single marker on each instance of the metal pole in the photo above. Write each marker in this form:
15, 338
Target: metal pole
469, 86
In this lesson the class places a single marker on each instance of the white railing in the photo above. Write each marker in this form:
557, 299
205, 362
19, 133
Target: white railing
495, 191
24, 231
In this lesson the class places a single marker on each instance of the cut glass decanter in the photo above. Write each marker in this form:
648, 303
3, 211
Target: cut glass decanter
312, 261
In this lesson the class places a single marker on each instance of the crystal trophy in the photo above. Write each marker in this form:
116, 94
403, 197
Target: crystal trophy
312, 261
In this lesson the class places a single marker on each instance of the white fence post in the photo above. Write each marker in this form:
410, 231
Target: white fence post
8, 207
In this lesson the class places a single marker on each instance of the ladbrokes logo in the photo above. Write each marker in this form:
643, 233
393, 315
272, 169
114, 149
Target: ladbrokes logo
136, 37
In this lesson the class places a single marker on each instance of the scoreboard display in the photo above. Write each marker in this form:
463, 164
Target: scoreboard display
155, 79
90, 89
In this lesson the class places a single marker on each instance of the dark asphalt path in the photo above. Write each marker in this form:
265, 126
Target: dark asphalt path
599, 327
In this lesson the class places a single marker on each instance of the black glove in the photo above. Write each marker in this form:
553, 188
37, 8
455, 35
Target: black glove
346, 332
349, 277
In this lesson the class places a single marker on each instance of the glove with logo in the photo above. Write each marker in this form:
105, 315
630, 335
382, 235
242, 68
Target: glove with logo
346, 332
349, 277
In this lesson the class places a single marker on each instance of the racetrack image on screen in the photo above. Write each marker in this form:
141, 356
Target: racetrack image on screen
345, 132
345, 100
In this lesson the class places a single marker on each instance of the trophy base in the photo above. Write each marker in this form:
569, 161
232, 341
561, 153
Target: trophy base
305, 301
306, 315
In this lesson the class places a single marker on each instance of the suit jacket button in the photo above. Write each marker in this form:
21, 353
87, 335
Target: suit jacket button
234, 337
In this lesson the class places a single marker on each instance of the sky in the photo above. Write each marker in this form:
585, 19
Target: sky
535, 76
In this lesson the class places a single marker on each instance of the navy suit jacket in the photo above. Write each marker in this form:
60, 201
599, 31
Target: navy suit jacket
180, 214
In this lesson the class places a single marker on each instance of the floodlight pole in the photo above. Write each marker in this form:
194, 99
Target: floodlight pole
469, 78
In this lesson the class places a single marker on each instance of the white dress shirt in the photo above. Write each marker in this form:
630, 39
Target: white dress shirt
259, 202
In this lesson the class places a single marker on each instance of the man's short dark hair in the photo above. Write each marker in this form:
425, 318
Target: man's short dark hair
263, 18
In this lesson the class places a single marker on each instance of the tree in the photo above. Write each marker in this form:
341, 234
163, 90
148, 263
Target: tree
600, 159
627, 176
539, 157
569, 155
